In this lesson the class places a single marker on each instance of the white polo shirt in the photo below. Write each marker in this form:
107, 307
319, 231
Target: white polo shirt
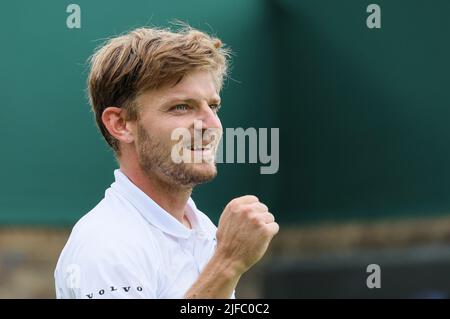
129, 247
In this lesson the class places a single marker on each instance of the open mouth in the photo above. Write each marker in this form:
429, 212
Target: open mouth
197, 147
200, 153
200, 148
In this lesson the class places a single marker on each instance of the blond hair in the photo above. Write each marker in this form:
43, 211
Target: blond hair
145, 59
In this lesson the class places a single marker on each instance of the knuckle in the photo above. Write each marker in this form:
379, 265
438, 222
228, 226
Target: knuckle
267, 232
235, 206
264, 207
246, 209
271, 230
254, 219
232, 206
255, 205
252, 198
232, 203
276, 228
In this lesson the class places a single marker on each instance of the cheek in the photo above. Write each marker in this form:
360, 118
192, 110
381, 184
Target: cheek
173, 131
163, 129
159, 128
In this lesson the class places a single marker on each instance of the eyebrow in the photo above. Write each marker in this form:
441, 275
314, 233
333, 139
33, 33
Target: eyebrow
190, 101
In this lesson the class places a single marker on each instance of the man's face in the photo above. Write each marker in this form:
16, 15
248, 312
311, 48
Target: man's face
192, 101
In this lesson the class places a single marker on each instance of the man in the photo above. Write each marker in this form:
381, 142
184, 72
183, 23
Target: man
146, 238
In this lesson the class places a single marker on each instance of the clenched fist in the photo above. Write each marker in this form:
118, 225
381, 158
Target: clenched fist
245, 230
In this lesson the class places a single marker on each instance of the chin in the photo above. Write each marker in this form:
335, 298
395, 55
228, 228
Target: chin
201, 173
206, 171
188, 175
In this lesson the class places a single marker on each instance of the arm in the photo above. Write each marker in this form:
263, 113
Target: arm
245, 230
217, 280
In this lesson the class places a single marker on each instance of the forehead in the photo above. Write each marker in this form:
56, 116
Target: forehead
197, 85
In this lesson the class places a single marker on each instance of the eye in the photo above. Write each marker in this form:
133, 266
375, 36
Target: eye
215, 107
180, 108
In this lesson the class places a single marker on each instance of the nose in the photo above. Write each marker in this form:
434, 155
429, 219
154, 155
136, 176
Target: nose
209, 118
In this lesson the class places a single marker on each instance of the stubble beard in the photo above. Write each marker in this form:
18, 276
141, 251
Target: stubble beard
155, 158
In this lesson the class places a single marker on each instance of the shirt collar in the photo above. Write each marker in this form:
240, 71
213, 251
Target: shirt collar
154, 213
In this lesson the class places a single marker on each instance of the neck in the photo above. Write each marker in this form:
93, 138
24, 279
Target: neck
171, 198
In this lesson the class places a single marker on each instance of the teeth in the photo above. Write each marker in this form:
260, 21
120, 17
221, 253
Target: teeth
200, 148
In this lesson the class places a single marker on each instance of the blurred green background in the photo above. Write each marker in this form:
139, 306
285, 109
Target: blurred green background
363, 113
363, 117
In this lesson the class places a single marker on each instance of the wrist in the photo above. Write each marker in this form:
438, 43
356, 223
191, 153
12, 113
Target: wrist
229, 266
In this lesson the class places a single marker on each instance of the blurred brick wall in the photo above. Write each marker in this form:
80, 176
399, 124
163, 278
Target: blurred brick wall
27, 260
28, 255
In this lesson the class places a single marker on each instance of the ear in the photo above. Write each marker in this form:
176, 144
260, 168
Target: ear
114, 120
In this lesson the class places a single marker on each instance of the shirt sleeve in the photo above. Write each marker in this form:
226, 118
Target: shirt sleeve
106, 273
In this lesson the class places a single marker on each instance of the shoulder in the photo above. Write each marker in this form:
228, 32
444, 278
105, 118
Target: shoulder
109, 234
106, 250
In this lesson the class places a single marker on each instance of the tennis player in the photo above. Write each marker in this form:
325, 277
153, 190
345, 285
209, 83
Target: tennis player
146, 238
